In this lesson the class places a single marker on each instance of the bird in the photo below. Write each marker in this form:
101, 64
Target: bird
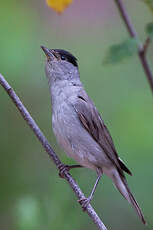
79, 127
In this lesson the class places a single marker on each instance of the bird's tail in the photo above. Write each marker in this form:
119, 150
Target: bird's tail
121, 184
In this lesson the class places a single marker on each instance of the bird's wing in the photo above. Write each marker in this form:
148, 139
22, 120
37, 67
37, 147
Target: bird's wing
93, 123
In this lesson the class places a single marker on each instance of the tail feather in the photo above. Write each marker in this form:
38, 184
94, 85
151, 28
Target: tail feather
121, 184
123, 167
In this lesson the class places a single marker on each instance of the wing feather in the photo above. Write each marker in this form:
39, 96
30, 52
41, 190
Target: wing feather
93, 123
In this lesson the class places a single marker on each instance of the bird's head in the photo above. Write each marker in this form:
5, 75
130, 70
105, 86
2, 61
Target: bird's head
60, 64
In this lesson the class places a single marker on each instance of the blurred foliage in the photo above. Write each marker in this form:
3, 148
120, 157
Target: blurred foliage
149, 3
27, 214
59, 5
149, 29
32, 196
119, 52
149, 26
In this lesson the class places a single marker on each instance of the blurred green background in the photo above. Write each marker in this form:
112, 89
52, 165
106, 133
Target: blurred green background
32, 196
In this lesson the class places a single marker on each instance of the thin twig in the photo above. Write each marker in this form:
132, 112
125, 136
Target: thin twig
146, 45
32, 124
141, 48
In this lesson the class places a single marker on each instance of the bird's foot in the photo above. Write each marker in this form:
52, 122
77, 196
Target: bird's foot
62, 168
84, 202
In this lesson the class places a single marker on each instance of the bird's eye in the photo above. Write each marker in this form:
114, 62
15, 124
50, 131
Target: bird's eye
63, 57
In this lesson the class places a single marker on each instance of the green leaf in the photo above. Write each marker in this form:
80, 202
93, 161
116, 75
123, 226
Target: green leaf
149, 29
149, 3
119, 52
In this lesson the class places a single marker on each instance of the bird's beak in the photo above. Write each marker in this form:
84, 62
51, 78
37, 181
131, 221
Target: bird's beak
49, 53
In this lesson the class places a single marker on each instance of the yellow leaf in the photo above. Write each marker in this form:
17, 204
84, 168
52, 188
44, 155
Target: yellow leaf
59, 5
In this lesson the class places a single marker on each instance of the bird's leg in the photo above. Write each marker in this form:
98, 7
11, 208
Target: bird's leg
84, 202
63, 167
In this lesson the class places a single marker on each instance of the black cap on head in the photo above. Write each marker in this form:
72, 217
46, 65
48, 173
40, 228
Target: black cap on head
68, 56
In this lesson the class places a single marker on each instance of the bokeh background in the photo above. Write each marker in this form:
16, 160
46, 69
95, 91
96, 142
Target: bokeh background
32, 196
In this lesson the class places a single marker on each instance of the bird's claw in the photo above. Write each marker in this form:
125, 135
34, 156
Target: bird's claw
84, 203
62, 168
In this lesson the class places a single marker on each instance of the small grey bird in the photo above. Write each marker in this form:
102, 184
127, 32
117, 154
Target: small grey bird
79, 128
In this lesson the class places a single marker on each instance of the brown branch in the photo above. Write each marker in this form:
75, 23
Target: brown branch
38, 133
146, 45
141, 48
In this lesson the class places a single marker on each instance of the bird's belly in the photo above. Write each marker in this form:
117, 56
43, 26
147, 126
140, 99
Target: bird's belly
76, 141
66, 135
